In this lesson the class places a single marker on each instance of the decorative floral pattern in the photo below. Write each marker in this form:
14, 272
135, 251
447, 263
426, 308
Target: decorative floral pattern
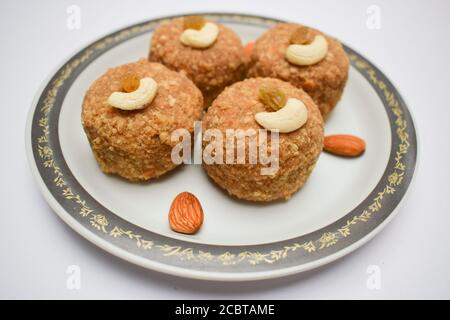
100, 223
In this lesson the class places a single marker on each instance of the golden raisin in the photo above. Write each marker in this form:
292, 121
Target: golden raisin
272, 97
130, 82
194, 22
301, 35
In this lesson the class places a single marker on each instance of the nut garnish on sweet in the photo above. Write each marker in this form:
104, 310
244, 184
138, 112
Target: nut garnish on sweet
198, 33
308, 54
136, 99
186, 214
344, 145
292, 116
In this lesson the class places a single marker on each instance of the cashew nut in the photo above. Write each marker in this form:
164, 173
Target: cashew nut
202, 38
307, 54
137, 99
289, 118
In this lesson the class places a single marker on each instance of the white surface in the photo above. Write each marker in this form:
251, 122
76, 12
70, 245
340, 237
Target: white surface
412, 252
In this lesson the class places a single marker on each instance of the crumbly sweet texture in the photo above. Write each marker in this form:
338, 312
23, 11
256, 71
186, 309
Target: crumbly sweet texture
212, 68
136, 144
323, 81
235, 108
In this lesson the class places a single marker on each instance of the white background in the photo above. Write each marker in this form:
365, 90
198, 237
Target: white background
413, 252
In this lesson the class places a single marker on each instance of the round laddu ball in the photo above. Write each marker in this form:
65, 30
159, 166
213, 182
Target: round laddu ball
323, 81
235, 108
212, 68
137, 144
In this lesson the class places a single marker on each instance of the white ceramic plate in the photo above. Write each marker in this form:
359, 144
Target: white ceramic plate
344, 203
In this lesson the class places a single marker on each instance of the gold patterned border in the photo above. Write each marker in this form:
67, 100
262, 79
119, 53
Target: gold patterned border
100, 223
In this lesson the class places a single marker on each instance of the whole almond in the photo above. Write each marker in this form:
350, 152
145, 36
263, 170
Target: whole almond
344, 145
186, 213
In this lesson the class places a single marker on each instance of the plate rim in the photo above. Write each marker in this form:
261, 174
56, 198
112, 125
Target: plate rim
183, 271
